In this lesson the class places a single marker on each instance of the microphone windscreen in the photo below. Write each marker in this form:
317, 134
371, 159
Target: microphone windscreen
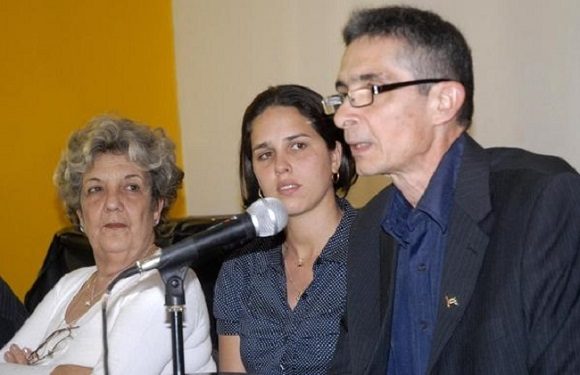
268, 215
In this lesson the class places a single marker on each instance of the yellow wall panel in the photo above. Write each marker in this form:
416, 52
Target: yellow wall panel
63, 62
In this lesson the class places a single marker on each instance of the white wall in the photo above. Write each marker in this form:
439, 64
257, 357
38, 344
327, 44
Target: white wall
526, 58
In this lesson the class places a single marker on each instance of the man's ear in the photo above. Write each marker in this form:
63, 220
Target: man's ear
446, 101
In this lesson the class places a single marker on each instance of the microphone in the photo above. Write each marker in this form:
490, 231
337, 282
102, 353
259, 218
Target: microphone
265, 217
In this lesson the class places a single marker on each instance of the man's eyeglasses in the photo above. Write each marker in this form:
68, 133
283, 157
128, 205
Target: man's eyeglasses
364, 96
52, 344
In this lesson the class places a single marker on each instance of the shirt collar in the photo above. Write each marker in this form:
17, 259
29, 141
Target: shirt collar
437, 200
335, 249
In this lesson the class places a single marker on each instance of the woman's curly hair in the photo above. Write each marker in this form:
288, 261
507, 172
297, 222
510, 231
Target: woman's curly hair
149, 148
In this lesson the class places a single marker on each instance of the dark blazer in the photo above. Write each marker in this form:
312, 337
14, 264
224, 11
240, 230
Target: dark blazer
510, 292
12, 313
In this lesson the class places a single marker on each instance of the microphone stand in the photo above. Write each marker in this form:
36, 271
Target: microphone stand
175, 304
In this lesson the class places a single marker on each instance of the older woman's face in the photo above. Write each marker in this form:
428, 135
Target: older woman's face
116, 210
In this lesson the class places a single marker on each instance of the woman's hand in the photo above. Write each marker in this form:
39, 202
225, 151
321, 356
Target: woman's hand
71, 370
17, 355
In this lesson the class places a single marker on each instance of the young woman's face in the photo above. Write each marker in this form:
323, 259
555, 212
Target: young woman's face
291, 160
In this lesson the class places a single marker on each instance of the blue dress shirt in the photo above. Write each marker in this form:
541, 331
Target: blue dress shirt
421, 235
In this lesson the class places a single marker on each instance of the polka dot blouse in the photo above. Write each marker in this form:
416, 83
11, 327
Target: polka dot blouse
251, 302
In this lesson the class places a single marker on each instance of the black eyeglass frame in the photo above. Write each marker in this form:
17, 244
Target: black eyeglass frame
332, 102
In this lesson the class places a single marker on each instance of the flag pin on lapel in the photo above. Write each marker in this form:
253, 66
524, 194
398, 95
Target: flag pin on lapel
451, 302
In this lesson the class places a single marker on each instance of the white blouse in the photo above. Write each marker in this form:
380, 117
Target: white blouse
139, 331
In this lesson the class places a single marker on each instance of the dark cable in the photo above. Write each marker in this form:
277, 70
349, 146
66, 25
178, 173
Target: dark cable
126, 273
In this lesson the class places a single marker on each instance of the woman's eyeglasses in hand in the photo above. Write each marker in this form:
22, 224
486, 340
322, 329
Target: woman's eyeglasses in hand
55, 342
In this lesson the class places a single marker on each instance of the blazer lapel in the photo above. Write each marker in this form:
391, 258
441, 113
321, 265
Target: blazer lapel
467, 243
369, 284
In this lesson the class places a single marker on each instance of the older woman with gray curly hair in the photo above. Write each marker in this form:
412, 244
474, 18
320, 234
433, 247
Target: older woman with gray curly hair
117, 179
